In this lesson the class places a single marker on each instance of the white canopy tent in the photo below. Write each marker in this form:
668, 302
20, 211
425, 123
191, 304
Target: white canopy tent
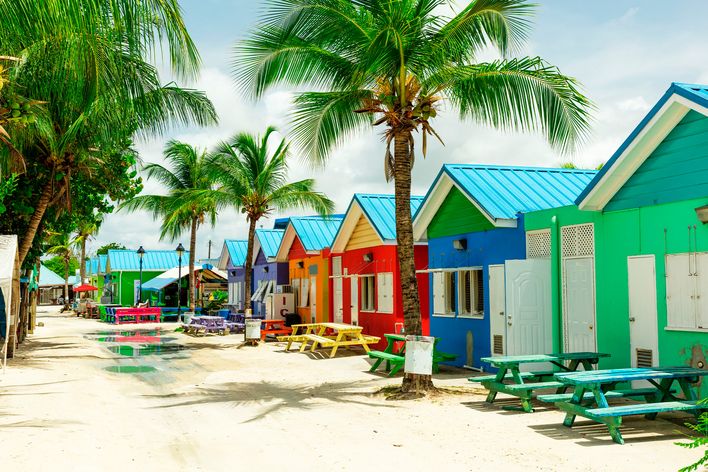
8, 265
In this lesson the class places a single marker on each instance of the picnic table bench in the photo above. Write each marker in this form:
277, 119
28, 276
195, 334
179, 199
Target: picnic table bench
316, 333
592, 389
395, 357
274, 327
133, 315
510, 380
203, 325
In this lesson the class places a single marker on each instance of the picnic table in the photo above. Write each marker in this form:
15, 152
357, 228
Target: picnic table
592, 389
394, 355
205, 324
132, 315
274, 327
344, 336
510, 380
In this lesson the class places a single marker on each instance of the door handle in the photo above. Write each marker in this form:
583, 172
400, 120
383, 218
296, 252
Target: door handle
590, 327
501, 313
632, 319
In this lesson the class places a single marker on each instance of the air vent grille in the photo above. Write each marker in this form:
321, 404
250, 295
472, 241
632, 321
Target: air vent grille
645, 358
498, 344
578, 240
538, 244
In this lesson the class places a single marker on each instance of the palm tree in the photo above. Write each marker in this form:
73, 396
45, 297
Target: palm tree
188, 203
86, 229
394, 63
62, 245
254, 181
86, 61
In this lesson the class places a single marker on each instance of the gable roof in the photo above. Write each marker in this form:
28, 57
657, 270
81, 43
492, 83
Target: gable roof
380, 212
48, 278
500, 193
671, 108
314, 232
267, 240
102, 258
235, 251
128, 260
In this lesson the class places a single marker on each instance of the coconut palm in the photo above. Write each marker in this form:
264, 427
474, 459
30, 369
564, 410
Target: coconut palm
62, 245
188, 203
395, 63
254, 181
85, 230
87, 63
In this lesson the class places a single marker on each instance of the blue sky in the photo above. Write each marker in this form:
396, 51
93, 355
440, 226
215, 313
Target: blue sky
625, 54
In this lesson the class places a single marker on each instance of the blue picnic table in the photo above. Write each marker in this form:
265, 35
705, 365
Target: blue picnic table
510, 380
592, 389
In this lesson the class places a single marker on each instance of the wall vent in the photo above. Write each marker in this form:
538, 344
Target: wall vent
645, 358
498, 344
538, 244
578, 240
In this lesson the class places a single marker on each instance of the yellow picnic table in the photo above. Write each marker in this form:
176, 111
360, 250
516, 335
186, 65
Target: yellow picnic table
344, 336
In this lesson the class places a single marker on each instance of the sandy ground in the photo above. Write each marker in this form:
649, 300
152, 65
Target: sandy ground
213, 406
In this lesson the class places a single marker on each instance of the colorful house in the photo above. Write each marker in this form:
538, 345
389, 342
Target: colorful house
365, 278
473, 221
630, 261
232, 260
123, 272
268, 273
305, 248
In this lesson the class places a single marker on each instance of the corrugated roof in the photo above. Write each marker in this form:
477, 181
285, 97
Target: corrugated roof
128, 260
269, 240
694, 92
504, 191
47, 278
237, 251
381, 211
316, 232
102, 258
92, 266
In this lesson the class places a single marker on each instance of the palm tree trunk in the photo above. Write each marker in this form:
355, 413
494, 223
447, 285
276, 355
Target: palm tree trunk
82, 267
405, 250
192, 250
66, 283
249, 262
36, 219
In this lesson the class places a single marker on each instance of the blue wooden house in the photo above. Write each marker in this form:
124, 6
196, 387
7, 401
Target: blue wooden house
267, 273
472, 218
232, 260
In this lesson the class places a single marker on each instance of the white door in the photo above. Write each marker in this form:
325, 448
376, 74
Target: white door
579, 304
528, 307
643, 326
337, 304
136, 292
497, 310
313, 299
354, 300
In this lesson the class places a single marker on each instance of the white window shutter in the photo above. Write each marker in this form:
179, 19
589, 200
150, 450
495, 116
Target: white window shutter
439, 293
305, 292
680, 291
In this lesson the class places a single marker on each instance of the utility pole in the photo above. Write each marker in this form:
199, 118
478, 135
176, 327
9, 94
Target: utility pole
209, 252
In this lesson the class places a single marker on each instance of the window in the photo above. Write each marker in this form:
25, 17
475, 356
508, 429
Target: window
367, 292
304, 293
471, 292
444, 293
385, 292
295, 284
687, 290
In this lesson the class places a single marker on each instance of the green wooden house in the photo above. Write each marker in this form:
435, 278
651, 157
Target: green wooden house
629, 261
122, 280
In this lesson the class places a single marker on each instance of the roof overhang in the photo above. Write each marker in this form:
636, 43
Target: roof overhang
287, 243
346, 229
643, 141
224, 258
436, 197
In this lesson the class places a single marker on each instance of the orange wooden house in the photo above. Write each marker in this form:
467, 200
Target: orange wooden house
305, 247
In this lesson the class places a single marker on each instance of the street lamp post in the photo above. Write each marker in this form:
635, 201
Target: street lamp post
180, 251
141, 253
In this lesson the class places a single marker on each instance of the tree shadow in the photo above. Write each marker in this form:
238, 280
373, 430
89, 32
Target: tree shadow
39, 423
283, 396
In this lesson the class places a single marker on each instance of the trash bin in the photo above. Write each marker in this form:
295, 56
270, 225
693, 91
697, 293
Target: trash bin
187, 316
253, 329
291, 319
419, 355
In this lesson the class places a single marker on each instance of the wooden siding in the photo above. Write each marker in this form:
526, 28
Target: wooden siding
676, 170
363, 236
457, 215
297, 251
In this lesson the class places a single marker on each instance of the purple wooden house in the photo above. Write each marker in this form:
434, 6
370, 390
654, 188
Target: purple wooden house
267, 274
232, 260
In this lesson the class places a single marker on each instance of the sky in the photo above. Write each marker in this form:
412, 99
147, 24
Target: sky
624, 53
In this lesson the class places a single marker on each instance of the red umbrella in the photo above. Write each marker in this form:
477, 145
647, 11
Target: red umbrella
85, 288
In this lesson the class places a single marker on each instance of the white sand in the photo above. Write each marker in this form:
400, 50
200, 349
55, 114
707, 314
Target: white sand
215, 407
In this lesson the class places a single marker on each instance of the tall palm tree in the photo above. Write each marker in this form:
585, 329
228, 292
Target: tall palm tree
62, 245
188, 203
86, 229
254, 181
394, 63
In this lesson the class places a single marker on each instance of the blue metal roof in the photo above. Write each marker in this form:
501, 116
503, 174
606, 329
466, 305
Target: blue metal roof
92, 266
504, 191
381, 211
269, 240
128, 260
102, 258
48, 278
281, 223
237, 251
693, 92
316, 232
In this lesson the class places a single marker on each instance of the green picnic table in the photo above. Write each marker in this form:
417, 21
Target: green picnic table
510, 380
592, 389
395, 357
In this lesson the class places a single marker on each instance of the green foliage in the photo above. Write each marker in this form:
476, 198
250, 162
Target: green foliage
56, 265
216, 301
104, 249
7, 187
698, 441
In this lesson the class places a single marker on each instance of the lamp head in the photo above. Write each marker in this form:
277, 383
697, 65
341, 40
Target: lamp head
180, 250
141, 252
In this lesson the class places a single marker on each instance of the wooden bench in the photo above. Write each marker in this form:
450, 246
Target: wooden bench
509, 376
534, 386
394, 362
646, 408
648, 393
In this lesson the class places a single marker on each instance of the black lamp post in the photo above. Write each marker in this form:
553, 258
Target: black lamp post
141, 253
180, 253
